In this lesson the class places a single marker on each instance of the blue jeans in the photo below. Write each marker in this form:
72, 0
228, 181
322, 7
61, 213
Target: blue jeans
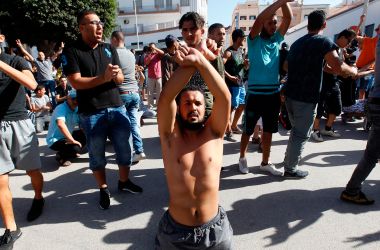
301, 116
50, 88
371, 153
132, 102
114, 124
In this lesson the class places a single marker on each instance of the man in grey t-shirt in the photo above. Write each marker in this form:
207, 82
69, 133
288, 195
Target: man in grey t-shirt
129, 92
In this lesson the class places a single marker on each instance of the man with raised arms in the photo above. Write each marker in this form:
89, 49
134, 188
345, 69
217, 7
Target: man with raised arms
192, 151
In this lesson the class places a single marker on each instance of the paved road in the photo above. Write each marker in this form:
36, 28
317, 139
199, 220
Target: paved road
265, 211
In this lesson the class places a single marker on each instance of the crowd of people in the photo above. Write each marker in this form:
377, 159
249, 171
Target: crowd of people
91, 91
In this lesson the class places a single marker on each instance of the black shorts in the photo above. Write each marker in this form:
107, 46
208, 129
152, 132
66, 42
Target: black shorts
330, 101
265, 106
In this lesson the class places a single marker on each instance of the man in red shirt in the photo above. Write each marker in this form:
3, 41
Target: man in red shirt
153, 61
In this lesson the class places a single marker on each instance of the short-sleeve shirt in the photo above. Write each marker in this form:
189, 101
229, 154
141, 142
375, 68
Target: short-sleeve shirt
59, 90
154, 66
65, 113
367, 54
12, 94
44, 70
305, 67
264, 59
127, 62
89, 62
40, 102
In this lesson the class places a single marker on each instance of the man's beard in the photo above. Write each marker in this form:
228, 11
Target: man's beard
193, 126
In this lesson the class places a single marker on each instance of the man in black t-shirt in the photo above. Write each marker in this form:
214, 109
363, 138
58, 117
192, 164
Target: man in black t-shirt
18, 141
92, 67
305, 62
62, 90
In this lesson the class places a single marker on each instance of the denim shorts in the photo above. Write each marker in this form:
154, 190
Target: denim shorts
237, 96
112, 123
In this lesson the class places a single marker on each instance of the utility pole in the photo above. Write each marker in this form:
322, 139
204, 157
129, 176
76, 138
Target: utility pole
137, 28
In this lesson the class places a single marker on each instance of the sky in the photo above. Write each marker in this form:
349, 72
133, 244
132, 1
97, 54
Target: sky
220, 11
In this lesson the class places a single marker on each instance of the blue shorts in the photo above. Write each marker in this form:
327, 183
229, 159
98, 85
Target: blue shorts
237, 96
366, 82
112, 123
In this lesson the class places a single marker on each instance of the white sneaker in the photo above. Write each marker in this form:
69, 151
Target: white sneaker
316, 135
271, 169
331, 133
243, 167
138, 157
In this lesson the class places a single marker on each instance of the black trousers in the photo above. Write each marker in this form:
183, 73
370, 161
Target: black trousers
68, 151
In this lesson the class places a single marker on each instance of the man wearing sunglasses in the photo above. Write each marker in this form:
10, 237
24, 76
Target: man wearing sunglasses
92, 67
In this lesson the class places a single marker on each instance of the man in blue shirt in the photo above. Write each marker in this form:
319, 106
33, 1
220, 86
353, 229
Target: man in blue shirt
61, 136
263, 95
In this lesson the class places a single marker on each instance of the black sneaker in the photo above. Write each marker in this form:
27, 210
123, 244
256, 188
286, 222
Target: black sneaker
9, 238
298, 174
360, 198
104, 201
129, 186
36, 209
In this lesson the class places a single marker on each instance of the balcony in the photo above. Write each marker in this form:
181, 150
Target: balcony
149, 9
143, 29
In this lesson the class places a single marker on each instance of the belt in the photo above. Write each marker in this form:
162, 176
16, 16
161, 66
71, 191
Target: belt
374, 100
128, 92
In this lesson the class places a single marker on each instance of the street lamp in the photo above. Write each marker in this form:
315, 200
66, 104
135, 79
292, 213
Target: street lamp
137, 29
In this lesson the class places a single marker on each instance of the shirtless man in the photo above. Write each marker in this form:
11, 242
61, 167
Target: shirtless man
192, 151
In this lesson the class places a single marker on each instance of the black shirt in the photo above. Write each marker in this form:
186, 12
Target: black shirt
80, 58
12, 94
305, 67
62, 92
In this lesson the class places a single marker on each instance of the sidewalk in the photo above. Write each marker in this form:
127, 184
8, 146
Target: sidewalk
265, 211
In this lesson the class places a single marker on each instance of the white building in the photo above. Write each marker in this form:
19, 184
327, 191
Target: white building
155, 19
343, 18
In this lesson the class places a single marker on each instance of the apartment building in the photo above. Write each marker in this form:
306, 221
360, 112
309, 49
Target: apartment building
341, 17
244, 14
145, 21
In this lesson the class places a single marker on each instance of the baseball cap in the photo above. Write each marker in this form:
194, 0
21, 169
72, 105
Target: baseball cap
169, 40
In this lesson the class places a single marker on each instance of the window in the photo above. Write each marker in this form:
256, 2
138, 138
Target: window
368, 30
135, 43
252, 17
169, 3
159, 3
138, 4
305, 17
243, 17
185, 2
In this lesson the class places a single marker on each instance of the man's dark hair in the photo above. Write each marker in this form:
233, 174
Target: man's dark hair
145, 49
347, 33
237, 34
197, 19
84, 13
189, 87
215, 26
118, 35
316, 19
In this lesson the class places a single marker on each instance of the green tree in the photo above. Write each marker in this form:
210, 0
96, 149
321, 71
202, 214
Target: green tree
47, 22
